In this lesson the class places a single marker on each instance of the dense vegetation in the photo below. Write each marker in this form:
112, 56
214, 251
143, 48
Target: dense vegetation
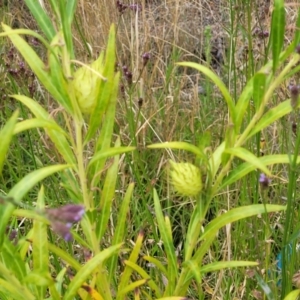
149, 150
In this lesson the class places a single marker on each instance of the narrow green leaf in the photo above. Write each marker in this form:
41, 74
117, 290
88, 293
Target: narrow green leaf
59, 70
119, 234
36, 123
247, 156
271, 116
105, 138
30, 180
168, 245
33, 106
195, 269
6, 135
125, 277
178, 145
107, 196
220, 265
67, 11
231, 216
242, 170
69, 259
242, 105
20, 190
86, 271
265, 287
132, 286
157, 263
294, 295
35, 63
218, 82
39, 279
297, 31
277, 31
70, 9
40, 252
230, 139
107, 94
12, 291
215, 160
144, 275
236, 214
109, 153
58, 137
41, 18
11, 258
19, 289
173, 298
259, 87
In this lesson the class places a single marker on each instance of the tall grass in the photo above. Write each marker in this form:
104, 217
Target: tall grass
173, 244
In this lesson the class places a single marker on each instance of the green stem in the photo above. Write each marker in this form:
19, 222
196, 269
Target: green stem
81, 167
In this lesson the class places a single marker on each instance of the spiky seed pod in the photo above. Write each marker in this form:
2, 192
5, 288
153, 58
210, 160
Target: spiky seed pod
86, 83
186, 178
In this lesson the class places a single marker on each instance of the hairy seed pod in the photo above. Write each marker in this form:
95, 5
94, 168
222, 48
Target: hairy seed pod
186, 178
86, 85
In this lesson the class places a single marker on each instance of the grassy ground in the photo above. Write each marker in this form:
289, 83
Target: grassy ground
165, 102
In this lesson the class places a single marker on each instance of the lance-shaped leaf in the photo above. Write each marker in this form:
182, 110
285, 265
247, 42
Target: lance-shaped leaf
6, 135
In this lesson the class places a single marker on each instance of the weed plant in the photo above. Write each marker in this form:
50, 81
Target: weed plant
151, 154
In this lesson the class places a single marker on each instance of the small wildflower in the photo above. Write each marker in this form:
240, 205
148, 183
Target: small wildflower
121, 7
69, 213
186, 178
146, 56
264, 181
63, 230
63, 217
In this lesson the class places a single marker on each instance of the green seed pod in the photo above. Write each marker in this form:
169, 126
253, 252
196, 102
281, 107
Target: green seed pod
186, 178
86, 85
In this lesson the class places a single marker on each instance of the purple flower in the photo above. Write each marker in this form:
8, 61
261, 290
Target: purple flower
63, 230
69, 213
64, 217
264, 180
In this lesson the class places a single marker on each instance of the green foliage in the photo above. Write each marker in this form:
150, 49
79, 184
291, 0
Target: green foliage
89, 156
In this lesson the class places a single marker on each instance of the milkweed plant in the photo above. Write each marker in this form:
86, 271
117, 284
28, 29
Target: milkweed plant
87, 96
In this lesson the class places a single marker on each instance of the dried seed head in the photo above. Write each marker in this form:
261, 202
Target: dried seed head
146, 56
186, 178
129, 76
294, 89
140, 102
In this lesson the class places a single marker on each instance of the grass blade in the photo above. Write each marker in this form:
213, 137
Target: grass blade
6, 135
168, 245
277, 31
86, 271
41, 18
